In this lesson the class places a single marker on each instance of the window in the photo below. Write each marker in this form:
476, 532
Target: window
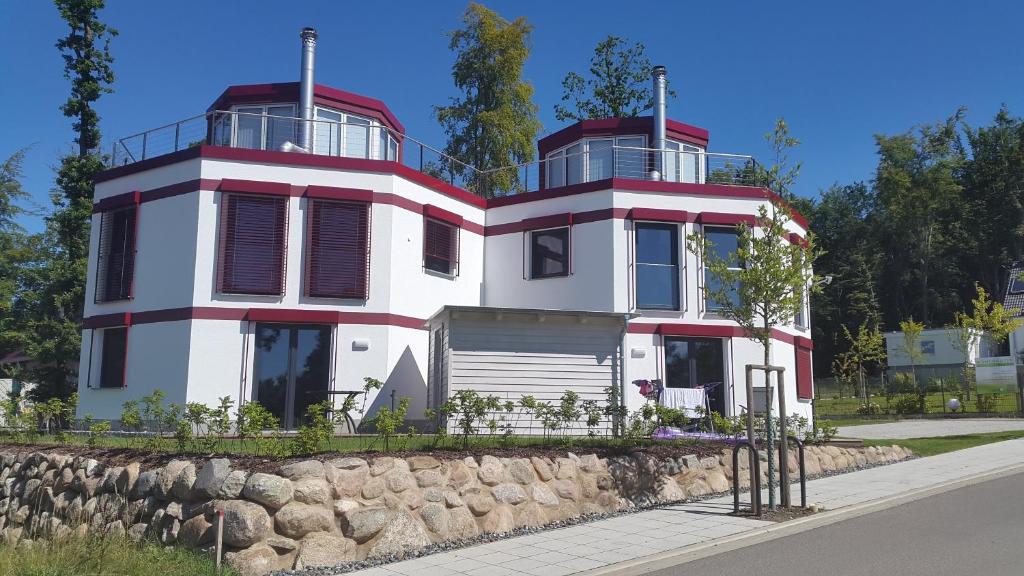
600, 159
573, 164
337, 133
327, 132
265, 127
292, 369
253, 230
357, 137
928, 347
549, 253
556, 169
724, 243
1016, 285
114, 352
115, 267
657, 266
337, 249
630, 157
697, 363
801, 312
441, 247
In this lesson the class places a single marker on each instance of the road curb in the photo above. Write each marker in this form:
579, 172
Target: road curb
693, 552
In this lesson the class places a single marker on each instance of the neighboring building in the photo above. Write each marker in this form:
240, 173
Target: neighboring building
221, 265
11, 385
1013, 299
940, 353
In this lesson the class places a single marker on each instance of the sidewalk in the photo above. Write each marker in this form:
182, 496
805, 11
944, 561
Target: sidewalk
603, 543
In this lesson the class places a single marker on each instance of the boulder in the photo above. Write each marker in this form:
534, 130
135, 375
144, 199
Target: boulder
373, 489
402, 535
499, 520
479, 504
428, 477
398, 480
491, 471
321, 549
521, 471
255, 561
591, 463
669, 490
196, 532
543, 469
381, 465
295, 520
423, 463
268, 489
183, 482
211, 477
282, 544
436, 518
125, 482
509, 494
166, 477
361, 524
717, 482
145, 485
461, 524
245, 523
565, 488
233, 485
543, 495
344, 505
452, 499
349, 481
529, 515
566, 469
347, 463
312, 490
304, 469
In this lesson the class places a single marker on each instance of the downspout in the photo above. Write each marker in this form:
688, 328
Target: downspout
309, 37
658, 75
619, 424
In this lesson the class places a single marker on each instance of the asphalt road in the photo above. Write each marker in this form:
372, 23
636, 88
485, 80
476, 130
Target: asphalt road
976, 530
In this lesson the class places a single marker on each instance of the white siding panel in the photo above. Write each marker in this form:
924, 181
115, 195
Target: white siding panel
513, 358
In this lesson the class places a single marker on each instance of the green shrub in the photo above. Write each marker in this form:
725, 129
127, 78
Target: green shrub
98, 432
252, 420
910, 404
388, 421
869, 409
317, 430
985, 402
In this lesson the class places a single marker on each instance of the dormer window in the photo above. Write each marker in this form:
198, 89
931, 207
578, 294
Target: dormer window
338, 133
594, 159
681, 162
265, 127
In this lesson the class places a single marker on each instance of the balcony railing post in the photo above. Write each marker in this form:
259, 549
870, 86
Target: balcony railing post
177, 134
145, 137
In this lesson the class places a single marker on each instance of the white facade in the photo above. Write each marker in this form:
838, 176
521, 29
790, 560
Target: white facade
935, 347
197, 344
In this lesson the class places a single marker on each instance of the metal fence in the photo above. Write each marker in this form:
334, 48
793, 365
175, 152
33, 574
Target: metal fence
903, 396
376, 142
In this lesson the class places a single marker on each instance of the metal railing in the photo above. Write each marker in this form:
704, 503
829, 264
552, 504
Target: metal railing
374, 141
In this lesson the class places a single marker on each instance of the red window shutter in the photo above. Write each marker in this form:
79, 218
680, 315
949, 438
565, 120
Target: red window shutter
440, 247
337, 249
804, 381
115, 265
253, 244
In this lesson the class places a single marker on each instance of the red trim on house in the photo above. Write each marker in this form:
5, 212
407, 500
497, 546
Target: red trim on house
114, 202
282, 315
335, 193
710, 331
114, 320
659, 215
431, 211
724, 219
537, 223
149, 164
599, 215
795, 238
640, 126
288, 93
179, 189
258, 187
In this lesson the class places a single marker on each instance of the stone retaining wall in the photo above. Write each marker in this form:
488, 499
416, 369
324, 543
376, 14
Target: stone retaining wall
322, 513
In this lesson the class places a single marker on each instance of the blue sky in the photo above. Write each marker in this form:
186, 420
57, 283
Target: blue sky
839, 72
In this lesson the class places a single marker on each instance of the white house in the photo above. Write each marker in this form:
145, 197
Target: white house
939, 353
294, 240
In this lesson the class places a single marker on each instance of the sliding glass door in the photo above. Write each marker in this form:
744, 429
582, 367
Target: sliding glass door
292, 369
697, 362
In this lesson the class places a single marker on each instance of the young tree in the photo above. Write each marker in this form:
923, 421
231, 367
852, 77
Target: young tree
911, 337
494, 123
761, 286
866, 349
17, 256
619, 85
56, 332
987, 319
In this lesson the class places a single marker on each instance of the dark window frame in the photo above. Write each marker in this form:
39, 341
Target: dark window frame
116, 251
566, 255
322, 259
432, 257
114, 360
235, 279
673, 228
710, 306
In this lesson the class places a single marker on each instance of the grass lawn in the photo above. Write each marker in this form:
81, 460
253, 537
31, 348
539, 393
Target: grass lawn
941, 445
992, 401
841, 422
102, 557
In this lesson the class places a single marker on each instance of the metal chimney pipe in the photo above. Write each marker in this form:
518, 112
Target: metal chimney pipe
309, 37
658, 74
